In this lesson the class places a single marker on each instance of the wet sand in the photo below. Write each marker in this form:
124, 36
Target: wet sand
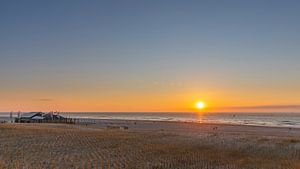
194, 128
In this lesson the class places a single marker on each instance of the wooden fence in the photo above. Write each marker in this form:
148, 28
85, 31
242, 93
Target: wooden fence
65, 120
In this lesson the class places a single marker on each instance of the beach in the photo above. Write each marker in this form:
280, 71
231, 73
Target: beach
141, 144
149, 84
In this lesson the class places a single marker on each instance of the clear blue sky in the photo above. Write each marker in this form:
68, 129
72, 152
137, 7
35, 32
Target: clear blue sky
66, 50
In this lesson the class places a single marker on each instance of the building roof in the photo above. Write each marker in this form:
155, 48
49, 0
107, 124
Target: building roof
31, 114
37, 118
40, 116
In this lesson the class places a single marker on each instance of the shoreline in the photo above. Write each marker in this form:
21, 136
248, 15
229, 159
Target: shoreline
189, 128
243, 119
186, 126
194, 122
88, 120
201, 127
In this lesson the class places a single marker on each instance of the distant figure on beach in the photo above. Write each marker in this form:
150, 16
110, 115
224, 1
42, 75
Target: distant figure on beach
11, 117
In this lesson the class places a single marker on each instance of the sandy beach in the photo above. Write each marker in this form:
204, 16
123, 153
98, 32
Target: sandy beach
195, 128
139, 84
149, 145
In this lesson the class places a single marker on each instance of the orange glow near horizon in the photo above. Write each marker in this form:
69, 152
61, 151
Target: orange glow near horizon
139, 101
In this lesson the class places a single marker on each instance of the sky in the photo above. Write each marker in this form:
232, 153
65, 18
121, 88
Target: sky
138, 55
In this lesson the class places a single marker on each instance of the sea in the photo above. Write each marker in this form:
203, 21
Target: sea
256, 119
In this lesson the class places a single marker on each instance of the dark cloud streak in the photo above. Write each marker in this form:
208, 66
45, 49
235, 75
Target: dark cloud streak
44, 100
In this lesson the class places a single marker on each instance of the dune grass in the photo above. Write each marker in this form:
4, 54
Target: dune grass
34, 146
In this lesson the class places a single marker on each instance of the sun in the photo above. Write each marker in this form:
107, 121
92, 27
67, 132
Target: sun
200, 105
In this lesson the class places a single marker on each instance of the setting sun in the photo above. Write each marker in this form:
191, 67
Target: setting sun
200, 105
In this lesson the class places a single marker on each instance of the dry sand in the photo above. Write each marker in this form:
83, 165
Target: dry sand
149, 145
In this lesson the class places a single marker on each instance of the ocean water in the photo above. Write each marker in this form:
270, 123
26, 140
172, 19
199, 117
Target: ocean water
258, 119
